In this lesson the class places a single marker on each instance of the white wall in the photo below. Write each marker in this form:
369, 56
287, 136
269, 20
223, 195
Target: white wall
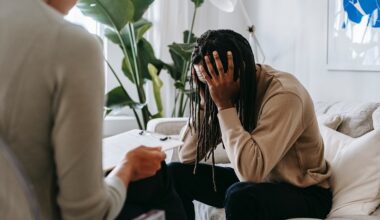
293, 34
294, 37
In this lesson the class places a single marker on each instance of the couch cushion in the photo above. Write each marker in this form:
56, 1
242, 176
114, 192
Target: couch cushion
377, 212
355, 178
334, 142
330, 121
357, 117
376, 119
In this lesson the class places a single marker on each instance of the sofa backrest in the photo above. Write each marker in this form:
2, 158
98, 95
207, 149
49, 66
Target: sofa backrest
359, 118
376, 119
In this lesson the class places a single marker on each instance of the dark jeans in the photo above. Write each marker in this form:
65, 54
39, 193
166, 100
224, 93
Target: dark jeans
156, 192
244, 200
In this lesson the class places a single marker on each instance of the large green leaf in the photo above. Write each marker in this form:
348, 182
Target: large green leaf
114, 13
140, 28
179, 85
146, 56
157, 85
193, 38
198, 3
140, 8
175, 69
180, 54
128, 71
183, 50
118, 97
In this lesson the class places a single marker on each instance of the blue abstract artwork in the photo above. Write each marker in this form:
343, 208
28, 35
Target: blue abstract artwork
354, 35
357, 9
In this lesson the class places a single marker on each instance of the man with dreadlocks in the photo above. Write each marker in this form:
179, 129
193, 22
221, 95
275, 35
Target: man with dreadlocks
266, 122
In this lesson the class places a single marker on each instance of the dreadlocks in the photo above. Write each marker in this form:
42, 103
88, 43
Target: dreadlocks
207, 126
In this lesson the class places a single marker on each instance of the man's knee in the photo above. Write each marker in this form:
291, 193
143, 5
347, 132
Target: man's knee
240, 200
235, 195
174, 167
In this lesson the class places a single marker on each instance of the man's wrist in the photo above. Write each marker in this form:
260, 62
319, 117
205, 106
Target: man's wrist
124, 172
221, 107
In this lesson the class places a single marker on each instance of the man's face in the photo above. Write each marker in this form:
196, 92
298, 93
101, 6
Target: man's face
63, 6
198, 72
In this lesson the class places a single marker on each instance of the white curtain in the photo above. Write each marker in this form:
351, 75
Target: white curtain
170, 18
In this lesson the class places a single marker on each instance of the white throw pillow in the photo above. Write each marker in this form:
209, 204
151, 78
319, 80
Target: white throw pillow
331, 121
334, 142
355, 165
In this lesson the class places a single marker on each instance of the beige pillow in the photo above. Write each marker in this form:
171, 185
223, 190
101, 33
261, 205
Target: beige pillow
376, 119
334, 142
355, 177
330, 121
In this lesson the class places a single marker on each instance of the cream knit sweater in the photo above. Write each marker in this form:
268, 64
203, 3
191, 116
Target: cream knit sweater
51, 106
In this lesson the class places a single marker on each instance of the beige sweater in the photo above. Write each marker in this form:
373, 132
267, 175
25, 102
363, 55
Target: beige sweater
51, 106
286, 145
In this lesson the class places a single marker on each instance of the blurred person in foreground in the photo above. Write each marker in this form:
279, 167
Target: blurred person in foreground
51, 115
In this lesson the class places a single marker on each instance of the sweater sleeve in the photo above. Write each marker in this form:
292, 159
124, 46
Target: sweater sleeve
254, 155
77, 130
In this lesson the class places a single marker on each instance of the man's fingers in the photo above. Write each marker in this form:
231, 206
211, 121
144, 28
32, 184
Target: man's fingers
218, 63
238, 81
230, 61
194, 75
210, 68
158, 148
205, 75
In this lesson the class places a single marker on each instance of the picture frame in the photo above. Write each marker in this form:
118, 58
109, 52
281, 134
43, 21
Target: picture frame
353, 41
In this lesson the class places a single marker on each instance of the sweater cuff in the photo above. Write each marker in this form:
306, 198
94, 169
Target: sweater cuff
117, 192
115, 182
228, 119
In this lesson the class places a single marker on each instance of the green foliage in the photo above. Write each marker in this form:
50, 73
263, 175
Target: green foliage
180, 54
115, 14
193, 38
126, 28
179, 70
147, 56
118, 98
140, 7
140, 27
197, 3
157, 85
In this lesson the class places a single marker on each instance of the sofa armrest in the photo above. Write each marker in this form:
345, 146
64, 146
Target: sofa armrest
167, 126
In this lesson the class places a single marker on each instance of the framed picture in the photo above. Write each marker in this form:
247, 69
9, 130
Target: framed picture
353, 35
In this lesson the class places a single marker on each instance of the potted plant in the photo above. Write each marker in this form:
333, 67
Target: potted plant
125, 26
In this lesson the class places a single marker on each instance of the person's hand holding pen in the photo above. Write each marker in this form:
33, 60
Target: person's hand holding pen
139, 163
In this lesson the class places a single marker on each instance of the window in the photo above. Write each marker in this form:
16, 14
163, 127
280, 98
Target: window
76, 16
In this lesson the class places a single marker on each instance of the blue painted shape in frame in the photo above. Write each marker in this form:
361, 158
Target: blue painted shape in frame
357, 9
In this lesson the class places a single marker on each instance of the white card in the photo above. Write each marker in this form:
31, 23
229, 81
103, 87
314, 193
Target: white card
116, 147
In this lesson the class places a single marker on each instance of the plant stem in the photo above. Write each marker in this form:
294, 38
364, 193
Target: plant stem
138, 74
192, 25
175, 103
138, 121
186, 101
182, 106
125, 91
140, 89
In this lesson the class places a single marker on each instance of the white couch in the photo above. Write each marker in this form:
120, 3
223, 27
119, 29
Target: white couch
358, 119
